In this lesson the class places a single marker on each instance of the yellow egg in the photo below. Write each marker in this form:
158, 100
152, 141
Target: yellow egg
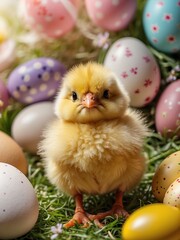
11, 153
168, 171
172, 196
153, 222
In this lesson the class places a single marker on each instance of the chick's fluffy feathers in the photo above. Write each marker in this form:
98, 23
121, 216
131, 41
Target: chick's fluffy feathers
94, 151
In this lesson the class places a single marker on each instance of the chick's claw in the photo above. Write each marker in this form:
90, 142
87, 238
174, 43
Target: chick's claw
80, 217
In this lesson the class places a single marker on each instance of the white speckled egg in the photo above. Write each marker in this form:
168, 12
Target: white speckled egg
172, 196
36, 80
167, 115
136, 68
112, 15
18, 203
28, 125
161, 21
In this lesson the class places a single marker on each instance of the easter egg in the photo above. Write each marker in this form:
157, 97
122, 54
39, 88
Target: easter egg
7, 53
35, 80
172, 196
28, 125
136, 68
18, 203
167, 113
4, 96
165, 175
112, 15
161, 19
51, 18
11, 153
152, 222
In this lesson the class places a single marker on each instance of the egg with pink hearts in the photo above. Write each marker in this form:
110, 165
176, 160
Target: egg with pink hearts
161, 22
4, 96
167, 115
136, 68
112, 15
51, 18
35, 80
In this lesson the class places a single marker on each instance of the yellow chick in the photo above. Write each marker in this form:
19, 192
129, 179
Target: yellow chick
95, 145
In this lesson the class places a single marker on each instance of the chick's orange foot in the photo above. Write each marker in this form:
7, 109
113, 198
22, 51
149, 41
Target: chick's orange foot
82, 217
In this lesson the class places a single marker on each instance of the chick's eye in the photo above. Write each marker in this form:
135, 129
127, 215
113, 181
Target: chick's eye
106, 94
74, 96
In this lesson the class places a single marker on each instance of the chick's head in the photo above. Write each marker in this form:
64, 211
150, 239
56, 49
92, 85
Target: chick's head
90, 93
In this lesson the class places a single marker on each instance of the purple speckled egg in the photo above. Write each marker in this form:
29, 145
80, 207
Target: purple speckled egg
4, 96
167, 117
36, 80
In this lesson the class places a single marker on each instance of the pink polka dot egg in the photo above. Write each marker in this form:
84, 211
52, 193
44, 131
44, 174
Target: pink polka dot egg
51, 18
36, 80
167, 115
112, 15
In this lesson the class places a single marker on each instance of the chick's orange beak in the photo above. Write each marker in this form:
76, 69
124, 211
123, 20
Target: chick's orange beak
89, 100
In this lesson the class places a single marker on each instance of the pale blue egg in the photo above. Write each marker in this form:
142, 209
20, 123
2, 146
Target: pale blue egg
161, 22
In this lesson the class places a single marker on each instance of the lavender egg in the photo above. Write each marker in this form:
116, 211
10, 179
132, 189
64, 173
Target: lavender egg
36, 80
167, 116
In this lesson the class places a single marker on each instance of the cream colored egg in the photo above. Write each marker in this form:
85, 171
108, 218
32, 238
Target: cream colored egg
11, 153
29, 123
167, 172
18, 203
172, 196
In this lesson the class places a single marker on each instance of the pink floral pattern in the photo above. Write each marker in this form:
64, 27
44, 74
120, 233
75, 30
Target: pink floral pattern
146, 59
147, 82
134, 70
128, 52
124, 74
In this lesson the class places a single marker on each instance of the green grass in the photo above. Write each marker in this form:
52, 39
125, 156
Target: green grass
54, 206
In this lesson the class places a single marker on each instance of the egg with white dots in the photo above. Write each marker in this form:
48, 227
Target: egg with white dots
112, 15
167, 114
51, 18
19, 208
136, 68
36, 80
